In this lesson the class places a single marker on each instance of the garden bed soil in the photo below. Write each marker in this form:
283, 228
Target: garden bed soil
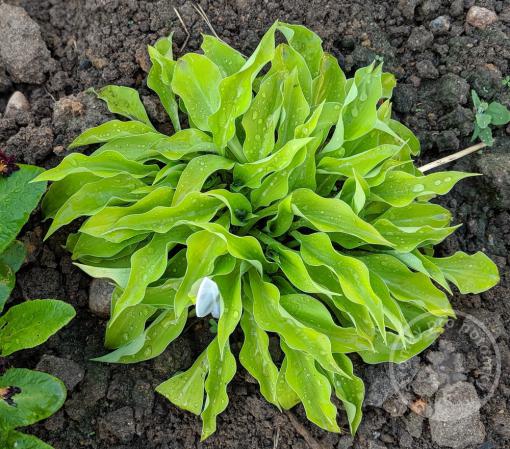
437, 57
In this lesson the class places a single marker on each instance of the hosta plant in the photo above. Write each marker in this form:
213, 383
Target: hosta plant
286, 203
26, 396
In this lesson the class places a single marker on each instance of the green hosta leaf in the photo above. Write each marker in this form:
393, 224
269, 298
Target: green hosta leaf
360, 115
18, 198
160, 77
261, 119
351, 391
161, 332
306, 42
470, 273
105, 165
251, 174
287, 397
333, 215
221, 372
124, 101
231, 305
406, 285
186, 390
135, 148
405, 239
353, 275
235, 91
362, 163
196, 172
228, 60
184, 143
312, 388
330, 83
256, 358
41, 395
31, 323
196, 80
271, 317
147, 265
418, 214
93, 197
295, 109
114, 129
312, 313
400, 188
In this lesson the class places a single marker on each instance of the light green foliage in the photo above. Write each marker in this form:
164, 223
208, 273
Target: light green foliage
487, 115
295, 193
26, 396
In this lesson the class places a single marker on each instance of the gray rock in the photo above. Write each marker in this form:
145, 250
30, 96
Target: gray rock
17, 103
501, 424
395, 406
407, 7
479, 17
457, 8
404, 98
447, 141
100, 293
414, 424
426, 69
22, 49
452, 90
5, 82
118, 425
420, 39
76, 113
66, 370
498, 183
381, 386
458, 434
426, 382
440, 25
345, 442
456, 418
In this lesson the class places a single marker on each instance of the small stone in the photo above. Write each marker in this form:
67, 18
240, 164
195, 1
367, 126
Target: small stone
31, 144
17, 103
404, 98
481, 18
395, 406
440, 25
420, 39
118, 425
345, 442
22, 48
501, 424
142, 58
100, 293
447, 141
407, 7
456, 419
414, 424
66, 370
452, 90
457, 8
426, 382
426, 69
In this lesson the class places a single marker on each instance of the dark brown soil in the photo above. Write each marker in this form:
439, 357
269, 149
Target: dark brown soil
98, 42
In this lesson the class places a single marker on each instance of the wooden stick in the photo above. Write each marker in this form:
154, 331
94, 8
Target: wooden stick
452, 157
311, 441
185, 30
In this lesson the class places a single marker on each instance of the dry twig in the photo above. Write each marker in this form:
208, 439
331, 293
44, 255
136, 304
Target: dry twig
452, 157
185, 30
311, 441
201, 13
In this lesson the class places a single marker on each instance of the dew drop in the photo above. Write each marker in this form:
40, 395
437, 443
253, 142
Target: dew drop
447, 179
418, 188
437, 182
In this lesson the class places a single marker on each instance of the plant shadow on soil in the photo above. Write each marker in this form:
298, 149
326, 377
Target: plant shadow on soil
436, 57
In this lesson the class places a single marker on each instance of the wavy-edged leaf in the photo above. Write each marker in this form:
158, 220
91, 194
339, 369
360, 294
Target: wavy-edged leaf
312, 387
19, 440
186, 390
221, 372
228, 59
124, 101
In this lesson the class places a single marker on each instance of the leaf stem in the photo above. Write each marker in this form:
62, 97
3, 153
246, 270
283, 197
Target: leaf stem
452, 157
237, 150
